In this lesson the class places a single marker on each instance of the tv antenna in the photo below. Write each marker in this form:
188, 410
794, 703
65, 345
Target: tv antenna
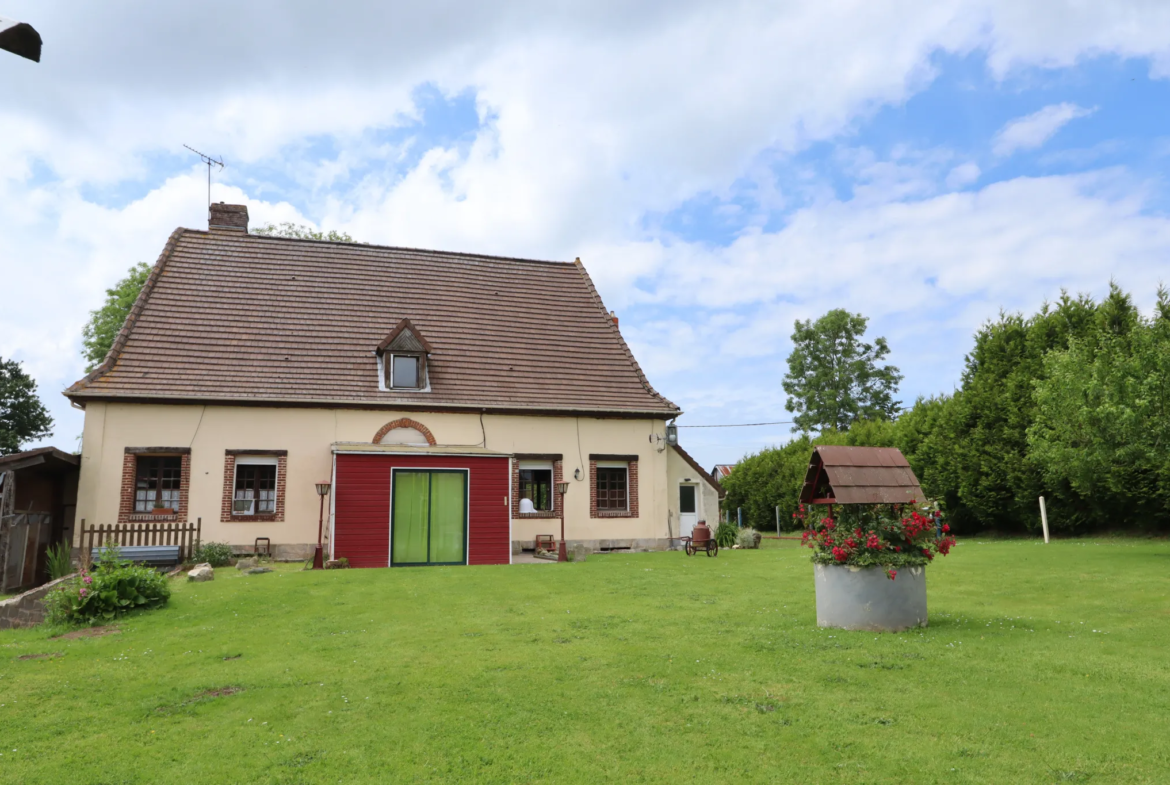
207, 159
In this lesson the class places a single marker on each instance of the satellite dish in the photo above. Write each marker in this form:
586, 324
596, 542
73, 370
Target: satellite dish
20, 38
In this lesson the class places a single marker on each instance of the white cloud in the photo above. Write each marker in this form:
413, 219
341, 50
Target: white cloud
1031, 131
593, 115
963, 174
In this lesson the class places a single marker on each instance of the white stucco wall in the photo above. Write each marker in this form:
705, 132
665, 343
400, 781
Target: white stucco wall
679, 472
308, 436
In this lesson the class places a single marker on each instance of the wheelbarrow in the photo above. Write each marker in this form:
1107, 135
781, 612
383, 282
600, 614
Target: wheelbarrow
701, 540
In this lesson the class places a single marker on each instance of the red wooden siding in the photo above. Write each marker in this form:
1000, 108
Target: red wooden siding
361, 526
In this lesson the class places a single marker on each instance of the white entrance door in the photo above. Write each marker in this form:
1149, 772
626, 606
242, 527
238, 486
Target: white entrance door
688, 509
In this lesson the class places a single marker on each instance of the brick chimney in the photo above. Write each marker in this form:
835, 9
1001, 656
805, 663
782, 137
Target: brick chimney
613, 316
228, 216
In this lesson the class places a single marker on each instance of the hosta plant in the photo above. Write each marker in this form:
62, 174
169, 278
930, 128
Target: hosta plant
110, 589
879, 535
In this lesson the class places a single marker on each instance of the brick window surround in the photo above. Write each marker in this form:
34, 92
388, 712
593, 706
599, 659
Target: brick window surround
631, 462
229, 486
126, 512
558, 476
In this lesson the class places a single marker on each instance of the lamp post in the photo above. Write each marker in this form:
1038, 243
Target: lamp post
318, 560
562, 554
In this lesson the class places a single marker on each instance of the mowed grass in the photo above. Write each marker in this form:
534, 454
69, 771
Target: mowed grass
1041, 664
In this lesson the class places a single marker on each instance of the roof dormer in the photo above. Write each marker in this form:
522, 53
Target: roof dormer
402, 359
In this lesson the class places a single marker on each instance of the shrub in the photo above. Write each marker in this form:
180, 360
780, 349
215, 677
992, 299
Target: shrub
748, 538
726, 535
58, 560
113, 588
217, 554
869, 536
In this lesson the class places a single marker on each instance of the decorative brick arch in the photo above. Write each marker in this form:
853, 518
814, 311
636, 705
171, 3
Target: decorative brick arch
404, 422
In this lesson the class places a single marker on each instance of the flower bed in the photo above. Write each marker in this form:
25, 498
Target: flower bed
879, 536
111, 589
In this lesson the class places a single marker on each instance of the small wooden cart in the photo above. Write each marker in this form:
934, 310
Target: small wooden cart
701, 539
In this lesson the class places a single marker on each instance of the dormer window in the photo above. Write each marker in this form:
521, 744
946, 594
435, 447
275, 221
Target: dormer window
404, 371
403, 359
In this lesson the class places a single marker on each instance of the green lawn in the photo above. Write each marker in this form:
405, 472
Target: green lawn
1041, 664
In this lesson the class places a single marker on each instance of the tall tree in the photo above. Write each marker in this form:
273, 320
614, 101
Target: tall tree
301, 232
1103, 418
99, 332
833, 376
22, 415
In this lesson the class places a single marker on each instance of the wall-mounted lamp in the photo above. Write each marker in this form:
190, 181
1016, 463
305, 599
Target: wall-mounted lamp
577, 473
672, 435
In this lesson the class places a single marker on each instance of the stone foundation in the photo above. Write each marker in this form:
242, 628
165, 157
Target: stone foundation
27, 610
290, 552
602, 546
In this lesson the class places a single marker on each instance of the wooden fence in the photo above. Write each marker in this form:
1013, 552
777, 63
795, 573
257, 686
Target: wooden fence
185, 535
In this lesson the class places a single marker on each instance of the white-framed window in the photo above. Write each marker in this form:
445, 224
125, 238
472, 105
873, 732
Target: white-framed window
613, 486
254, 486
405, 371
536, 486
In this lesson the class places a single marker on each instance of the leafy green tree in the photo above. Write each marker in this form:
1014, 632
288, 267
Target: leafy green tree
102, 328
834, 378
1103, 418
22, 415
301, 232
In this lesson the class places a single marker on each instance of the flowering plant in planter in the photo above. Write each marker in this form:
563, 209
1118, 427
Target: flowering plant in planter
889, 536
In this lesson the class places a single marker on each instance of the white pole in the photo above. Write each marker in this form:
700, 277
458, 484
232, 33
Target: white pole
777, 520
1044, 520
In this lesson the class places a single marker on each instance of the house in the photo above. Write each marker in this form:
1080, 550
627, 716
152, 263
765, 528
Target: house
443, 397
721, 470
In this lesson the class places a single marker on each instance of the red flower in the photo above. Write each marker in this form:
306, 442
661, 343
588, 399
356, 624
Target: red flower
946, 527
892, 573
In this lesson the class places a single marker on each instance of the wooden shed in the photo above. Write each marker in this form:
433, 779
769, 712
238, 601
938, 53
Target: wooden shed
859, 475
38, 497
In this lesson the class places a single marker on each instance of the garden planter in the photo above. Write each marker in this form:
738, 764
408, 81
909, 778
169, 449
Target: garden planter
864, 598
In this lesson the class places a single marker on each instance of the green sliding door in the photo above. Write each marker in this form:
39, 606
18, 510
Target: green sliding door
430, 517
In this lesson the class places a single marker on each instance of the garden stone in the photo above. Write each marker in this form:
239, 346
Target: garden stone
245, 564
202, 572
258, 570
580, 551
334, 564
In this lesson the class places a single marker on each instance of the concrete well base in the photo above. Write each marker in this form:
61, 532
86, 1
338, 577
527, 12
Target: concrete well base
864, 598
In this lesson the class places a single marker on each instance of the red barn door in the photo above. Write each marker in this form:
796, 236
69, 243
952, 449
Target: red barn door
417, 507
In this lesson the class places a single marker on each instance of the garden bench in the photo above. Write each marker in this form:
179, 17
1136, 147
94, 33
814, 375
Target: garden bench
150, 555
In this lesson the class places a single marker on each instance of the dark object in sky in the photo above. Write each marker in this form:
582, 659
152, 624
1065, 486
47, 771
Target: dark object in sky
20, 38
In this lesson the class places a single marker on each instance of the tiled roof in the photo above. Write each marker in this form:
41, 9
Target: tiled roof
229, 316
861, 475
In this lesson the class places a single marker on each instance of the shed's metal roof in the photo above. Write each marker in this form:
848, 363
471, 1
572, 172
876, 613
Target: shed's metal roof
860, 475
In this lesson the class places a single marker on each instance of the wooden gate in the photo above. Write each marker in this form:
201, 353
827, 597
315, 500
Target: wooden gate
24, 537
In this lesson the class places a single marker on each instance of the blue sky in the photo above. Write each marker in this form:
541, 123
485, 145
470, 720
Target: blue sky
722, 169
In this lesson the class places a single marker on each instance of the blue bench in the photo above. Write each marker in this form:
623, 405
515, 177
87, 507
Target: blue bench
150, 555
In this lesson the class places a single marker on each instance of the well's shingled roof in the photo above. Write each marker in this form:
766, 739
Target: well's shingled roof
229, 316
861, 475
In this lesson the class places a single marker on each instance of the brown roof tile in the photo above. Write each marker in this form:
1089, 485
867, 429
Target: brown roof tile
862, 475
230, 316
